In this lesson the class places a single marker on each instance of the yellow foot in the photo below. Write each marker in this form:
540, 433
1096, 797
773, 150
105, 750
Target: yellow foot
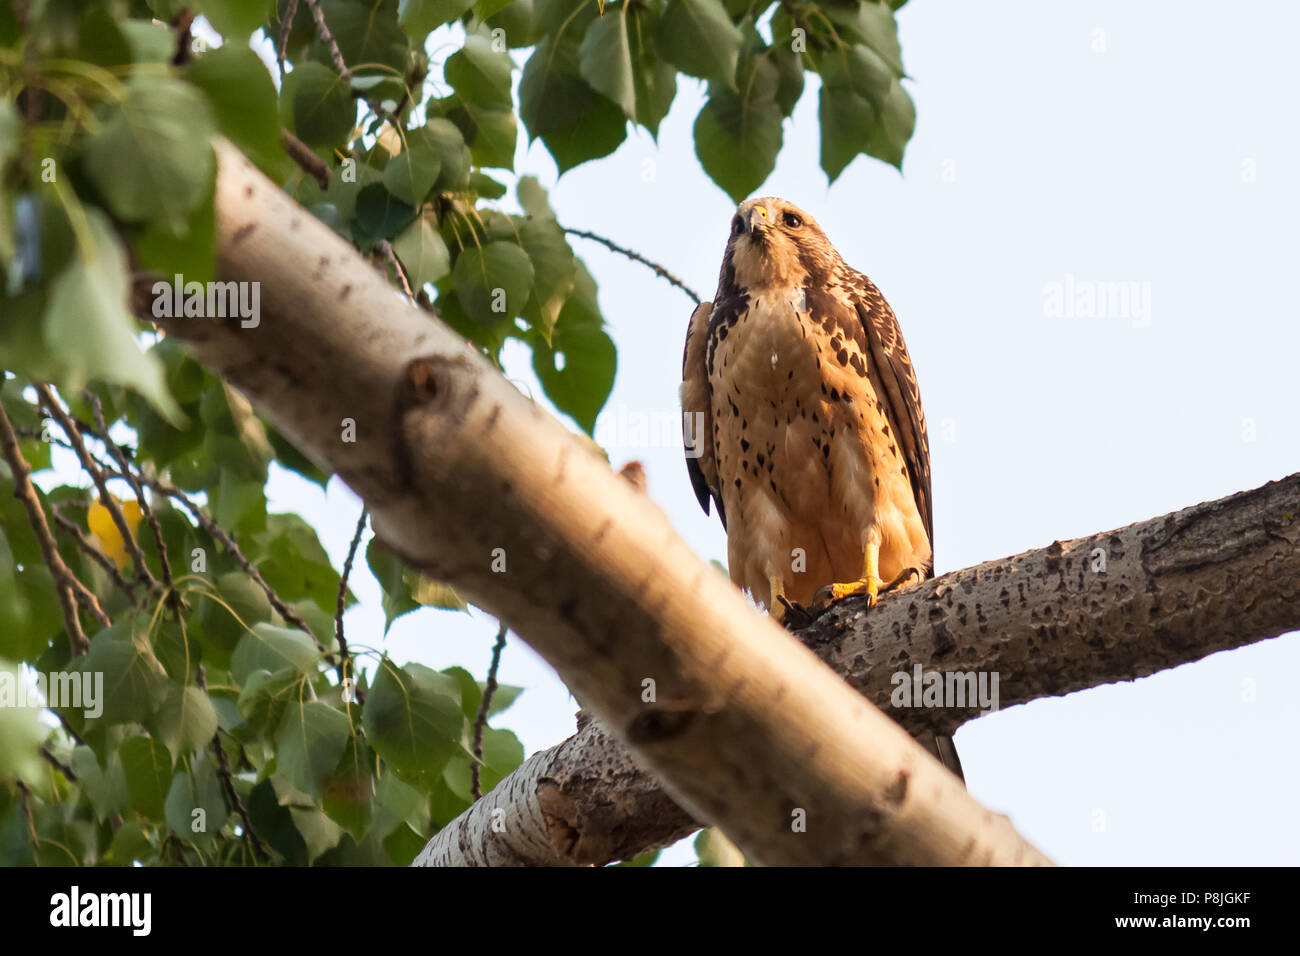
869, 585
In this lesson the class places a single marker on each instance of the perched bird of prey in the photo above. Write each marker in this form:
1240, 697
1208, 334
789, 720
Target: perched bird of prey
805, 426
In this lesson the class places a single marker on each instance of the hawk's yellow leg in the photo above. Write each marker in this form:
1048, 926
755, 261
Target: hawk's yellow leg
869, 584
775, 607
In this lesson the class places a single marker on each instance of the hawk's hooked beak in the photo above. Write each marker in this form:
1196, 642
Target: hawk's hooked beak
758, 219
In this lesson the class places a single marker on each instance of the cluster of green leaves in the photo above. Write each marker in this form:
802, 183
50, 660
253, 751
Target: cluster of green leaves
597, 66
106, 115
324, 778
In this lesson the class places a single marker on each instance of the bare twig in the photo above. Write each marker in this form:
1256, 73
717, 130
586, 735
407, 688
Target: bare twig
345, 658
323, 31
65, 582
658, 270
58, 764
228, 784
124, 464
282, 42
25, 797
307, 161
92, 468
386, 247
481, 719
88, 548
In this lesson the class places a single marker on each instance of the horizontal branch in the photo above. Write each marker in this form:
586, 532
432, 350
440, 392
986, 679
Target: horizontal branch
1109, 607
474, 484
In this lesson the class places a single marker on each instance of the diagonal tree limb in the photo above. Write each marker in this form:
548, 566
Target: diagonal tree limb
66, 584
1113, 606
747, 729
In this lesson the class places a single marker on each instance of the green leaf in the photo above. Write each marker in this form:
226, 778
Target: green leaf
10, 124
368, 35
605, 60
553, 270
493, 281
655, 79
148, 770
699, 38
21, 730
105, 788
491, 134
888, 138
421, 17
575, 122
150, 157
577, 368
239, 605
380, 214
845, 117
234, 19
317, 105
296, 564
309, 744
349, 796
134, 681
479, 74
411, 174
190, 253
184, 721
738, 134
243, 98
423, 252
89, 327
413, 720
271, 648
391, 573
319, 833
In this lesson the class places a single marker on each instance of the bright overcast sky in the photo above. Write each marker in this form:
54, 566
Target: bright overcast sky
1058, 143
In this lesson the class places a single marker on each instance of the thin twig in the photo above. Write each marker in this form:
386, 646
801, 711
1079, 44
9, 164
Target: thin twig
58, 764
92, 468
88, 548
384, 246
282, 43
658, 270
228, 784
65, 582
345, 659
323, 31
124, 464
24, 796
307, 161
480, 721
208, 524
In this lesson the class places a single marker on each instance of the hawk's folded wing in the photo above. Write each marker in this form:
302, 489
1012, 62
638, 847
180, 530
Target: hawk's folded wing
697, 405
902, 396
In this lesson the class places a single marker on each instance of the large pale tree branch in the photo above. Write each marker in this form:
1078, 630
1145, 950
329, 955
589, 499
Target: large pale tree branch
1114, 606
747, 729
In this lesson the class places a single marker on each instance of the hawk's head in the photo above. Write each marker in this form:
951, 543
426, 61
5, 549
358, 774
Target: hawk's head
776, 245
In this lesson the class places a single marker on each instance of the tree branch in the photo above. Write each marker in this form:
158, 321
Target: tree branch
1174, 589
66, 584
748, 730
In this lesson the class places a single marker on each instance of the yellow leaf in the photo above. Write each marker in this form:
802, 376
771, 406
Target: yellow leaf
104, 529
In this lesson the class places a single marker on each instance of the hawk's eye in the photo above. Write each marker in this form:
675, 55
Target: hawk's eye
791, 220
737, 225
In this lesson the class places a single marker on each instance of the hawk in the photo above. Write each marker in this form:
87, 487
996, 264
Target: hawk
806, 425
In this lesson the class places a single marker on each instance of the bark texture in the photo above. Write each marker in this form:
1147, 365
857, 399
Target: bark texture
744, 726
1109, 607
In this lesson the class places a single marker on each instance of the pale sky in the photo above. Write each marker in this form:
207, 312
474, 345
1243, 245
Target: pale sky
1063, 143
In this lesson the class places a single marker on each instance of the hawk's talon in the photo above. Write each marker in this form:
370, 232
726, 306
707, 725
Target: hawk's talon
870, 586
792, 616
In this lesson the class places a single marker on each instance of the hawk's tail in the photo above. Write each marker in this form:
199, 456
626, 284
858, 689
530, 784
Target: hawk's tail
946, 751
